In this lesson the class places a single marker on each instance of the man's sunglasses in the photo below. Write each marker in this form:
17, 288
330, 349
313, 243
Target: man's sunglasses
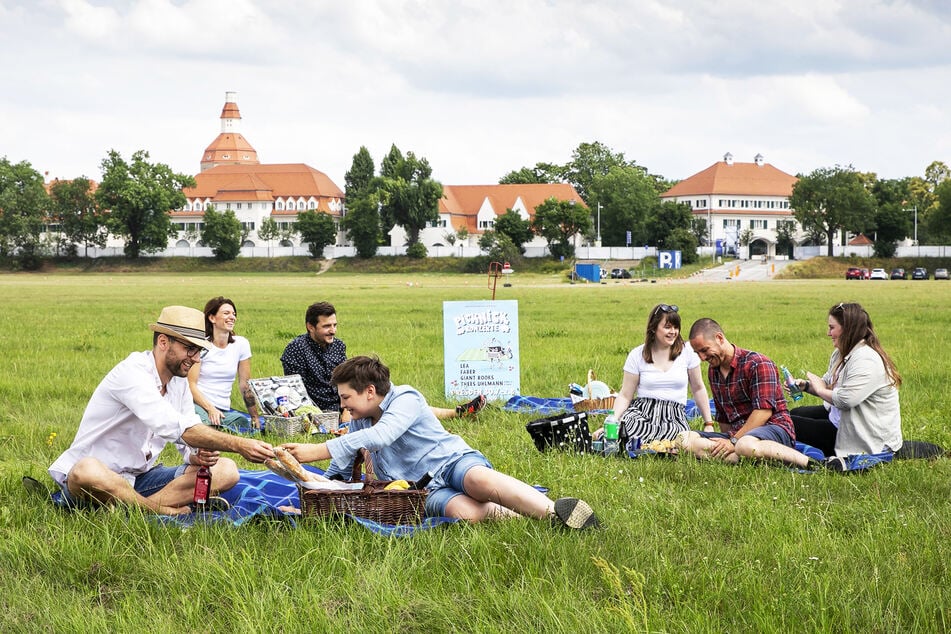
665, 308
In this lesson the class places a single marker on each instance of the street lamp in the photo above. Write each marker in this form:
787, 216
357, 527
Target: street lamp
915, 209
598, 243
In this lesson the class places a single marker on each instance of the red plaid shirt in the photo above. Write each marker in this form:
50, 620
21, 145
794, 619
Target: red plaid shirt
753, 383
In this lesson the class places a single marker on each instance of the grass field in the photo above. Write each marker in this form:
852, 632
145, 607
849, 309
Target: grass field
689, 546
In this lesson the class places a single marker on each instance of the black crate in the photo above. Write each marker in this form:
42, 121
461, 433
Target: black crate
567, 432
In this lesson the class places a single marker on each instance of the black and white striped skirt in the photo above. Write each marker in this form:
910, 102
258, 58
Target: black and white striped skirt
652, 419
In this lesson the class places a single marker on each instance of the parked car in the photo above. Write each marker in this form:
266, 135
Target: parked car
878, 274
620, 274
919, 273
855, 273
941, 274
899, 274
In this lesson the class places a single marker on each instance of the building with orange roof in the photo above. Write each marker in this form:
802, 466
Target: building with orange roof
232, 178
474, 209
735, 197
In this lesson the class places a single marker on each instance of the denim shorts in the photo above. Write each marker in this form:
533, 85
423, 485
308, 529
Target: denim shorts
449, 482
146, 484
765, 432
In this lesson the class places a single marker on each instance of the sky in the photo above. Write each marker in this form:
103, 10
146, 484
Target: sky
480, 87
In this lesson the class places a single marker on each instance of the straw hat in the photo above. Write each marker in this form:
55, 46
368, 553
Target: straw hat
183, 323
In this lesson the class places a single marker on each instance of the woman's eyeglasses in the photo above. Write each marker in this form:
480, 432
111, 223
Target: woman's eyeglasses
665, 308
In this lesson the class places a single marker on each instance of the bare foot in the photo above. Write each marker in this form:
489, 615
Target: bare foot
173, 510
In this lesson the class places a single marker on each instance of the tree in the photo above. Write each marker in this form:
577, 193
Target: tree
359, 178
664, 219
517, 229
785, 241
627, 198
700, 230
362, 224
542, 173
499, 247
830, 200
891, 221
557, 221
138, 197
940, 221
73, 207
588, 162
269, 231
23, 202
317, 229
222, 232
409, 195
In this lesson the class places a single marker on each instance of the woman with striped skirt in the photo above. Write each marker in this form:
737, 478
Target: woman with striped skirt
653, 397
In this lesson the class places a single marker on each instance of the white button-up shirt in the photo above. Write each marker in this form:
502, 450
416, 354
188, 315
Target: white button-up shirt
128, 421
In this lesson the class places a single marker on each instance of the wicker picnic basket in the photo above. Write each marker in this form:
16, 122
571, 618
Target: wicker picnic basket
589, 404
372, 502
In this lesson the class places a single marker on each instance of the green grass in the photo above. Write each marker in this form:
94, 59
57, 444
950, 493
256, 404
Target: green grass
689, 546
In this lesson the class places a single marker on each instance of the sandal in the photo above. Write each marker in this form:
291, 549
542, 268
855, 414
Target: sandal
472, 407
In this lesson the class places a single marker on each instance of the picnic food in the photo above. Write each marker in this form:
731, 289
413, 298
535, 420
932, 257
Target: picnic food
290, 463
400, 485
275, 465
660, 446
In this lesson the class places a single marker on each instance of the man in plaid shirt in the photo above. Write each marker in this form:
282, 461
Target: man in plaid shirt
751, 409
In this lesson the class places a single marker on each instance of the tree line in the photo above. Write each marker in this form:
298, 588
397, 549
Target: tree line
622, 206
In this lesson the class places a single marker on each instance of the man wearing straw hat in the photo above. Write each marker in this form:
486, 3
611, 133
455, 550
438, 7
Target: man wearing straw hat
143, 404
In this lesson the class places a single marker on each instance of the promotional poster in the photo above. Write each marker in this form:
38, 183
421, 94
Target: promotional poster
481, 349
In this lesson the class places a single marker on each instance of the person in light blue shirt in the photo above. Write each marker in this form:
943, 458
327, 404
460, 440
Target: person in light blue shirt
407, 441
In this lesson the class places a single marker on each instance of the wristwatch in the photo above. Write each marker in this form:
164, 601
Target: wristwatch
733, 439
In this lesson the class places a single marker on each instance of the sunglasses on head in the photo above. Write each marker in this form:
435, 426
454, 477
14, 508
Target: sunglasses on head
665, 308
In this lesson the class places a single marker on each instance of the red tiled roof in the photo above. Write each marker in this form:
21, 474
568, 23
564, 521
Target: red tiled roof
264, 182
745, 179
463, 202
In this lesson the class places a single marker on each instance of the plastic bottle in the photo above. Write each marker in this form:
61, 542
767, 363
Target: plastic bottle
202, 486
611, 441
794, 390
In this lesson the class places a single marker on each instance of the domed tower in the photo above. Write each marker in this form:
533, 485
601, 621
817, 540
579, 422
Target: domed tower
229, 148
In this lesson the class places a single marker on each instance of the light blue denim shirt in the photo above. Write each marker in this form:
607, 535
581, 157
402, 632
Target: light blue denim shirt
407, 442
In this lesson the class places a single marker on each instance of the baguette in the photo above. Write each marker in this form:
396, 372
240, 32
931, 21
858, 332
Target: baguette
290, 463
275, 465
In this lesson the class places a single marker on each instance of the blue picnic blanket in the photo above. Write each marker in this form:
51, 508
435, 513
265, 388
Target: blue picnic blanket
548, 406
260, 494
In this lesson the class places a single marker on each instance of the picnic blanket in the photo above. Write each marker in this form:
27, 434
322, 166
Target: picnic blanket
548, 406
848, 464
261, 494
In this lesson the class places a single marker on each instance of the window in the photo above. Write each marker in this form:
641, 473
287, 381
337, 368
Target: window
279, 205
486, 224
758, 224
237, 205
731, 222
312, 205
247, 226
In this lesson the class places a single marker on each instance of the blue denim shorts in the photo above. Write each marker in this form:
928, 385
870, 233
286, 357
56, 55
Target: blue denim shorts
765, 432
146, 484
449, 483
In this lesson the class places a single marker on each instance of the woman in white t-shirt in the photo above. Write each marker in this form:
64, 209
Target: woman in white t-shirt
229, 357
651, 404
